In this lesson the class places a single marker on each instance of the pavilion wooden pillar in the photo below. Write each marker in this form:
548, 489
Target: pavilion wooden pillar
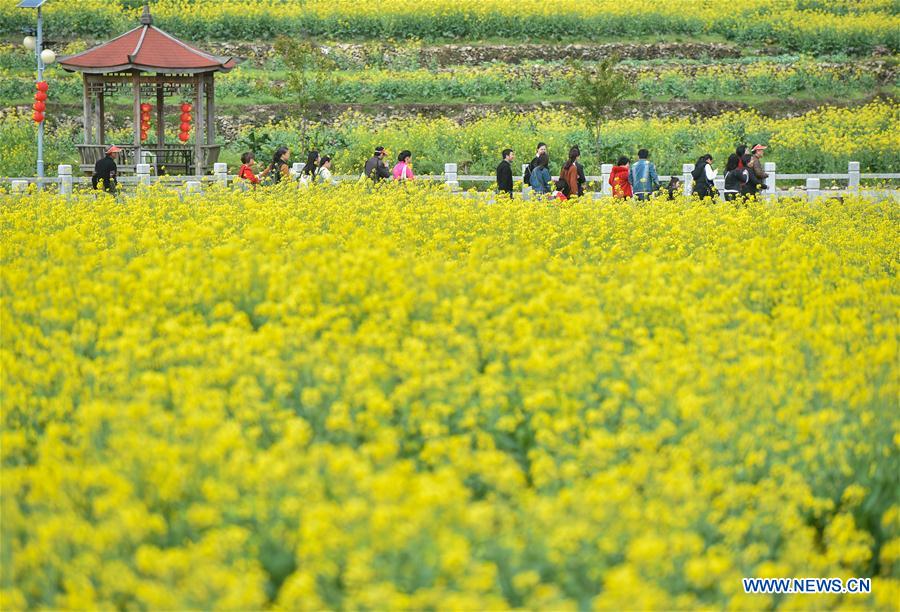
160, 118
88, 128
101, 118
210, 109
136, 86
199, 127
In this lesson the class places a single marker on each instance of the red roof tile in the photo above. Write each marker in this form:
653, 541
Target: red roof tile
149, 49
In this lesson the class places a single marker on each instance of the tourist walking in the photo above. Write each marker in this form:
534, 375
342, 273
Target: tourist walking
504, 172
541, 150
643, 178
324, 172
278, 169
735, 177
310, 169
540, 175
106, 172
756, 164
704, 175
618, 178
375, 169
569, 173
403, 169
246, 170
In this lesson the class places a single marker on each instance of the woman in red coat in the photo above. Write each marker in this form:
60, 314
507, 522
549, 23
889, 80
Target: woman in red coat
618, 178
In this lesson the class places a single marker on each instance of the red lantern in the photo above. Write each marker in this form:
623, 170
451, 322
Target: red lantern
143, 135
38, 117
185, 127
40, 96
43, 86
183, 136
146, 108
145, 127
145, 116
186, 117
39, 107
186, 108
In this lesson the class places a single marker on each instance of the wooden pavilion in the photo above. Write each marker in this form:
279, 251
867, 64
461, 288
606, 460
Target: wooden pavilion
155, 66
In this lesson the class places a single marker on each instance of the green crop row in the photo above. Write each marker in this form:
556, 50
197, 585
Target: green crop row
810, 30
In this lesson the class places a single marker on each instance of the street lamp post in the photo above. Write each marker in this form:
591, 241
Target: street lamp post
43, 57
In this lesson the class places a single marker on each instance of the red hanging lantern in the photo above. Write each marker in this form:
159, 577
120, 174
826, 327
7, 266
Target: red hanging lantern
145, 108
43, 86
185, 127
183, 136
186, 117
186, 108
40, 96
38, 117
39, 107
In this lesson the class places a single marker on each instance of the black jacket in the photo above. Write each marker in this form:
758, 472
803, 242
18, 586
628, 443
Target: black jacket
505, 177
376, 170
581, 178
105, 170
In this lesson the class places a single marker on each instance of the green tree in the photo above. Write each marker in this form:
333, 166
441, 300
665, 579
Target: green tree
598, 94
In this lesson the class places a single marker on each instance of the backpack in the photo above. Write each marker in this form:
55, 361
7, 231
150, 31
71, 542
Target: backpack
273, 177
526, 177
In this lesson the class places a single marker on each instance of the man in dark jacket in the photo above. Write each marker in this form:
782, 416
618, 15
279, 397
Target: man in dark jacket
375, 168
105, 170
504, 172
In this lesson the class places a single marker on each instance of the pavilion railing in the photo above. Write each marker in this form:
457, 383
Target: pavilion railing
167, 159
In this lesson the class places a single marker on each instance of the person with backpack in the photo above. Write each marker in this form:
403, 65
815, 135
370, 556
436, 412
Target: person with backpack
504, 172
324, 172
541, 150
540, 175
106, 171
246, 171
735, 177
618, 179
569, 174
403, 169
310, 170
279, 168
375, 168
642, 176
704, 175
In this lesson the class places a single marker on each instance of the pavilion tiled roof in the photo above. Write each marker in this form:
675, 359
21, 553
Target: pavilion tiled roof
146, 48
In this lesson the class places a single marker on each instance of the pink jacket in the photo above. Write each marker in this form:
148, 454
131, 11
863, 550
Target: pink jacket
403, 171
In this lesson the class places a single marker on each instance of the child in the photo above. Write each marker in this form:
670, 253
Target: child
674, 187
562, 187
246, 171
618, 178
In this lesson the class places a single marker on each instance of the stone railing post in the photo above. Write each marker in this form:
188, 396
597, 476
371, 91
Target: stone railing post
451, 178
720, 187
769, 168
605, 171
143, 173
687, 178
64, 171
193, 187
19, 186
296, 169
813, 189
220, 172
853, 178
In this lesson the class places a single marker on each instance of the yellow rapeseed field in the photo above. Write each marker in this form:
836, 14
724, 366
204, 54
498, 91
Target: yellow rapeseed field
400, 399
